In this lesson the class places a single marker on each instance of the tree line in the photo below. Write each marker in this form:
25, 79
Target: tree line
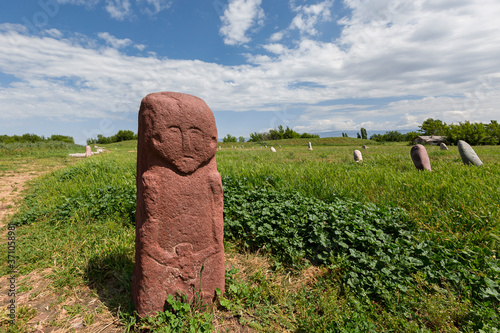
30, 137
274, 134
472, 133
122, 135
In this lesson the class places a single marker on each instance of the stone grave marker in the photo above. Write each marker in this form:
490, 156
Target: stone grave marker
357, 156
179, 224
420, 157
468, 155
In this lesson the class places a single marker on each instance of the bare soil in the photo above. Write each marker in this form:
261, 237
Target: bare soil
11, 184
40, 306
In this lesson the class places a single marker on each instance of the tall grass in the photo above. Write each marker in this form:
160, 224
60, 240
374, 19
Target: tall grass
38, 149
78, 221
454, 202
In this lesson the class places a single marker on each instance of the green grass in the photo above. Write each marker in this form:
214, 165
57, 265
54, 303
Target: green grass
331, 245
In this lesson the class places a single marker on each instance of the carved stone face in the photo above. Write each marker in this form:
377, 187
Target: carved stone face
185, 139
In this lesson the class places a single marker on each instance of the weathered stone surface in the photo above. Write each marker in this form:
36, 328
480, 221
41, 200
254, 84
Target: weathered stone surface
179, 224
443, 146
273, 150
310, 147
365, 147
357, 156
420, 157
468, 154
88, 151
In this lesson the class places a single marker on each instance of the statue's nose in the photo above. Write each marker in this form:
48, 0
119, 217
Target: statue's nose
186, 142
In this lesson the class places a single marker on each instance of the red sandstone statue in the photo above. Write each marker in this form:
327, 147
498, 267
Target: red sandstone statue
179, 222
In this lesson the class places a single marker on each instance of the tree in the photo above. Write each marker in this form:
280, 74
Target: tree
229, 138
433, 127
493, 130
359, 136
309, 136
410, 136
256, 137
29, 137
241, 139
279, 134
62, 138
390, 136
364, 135
124, 135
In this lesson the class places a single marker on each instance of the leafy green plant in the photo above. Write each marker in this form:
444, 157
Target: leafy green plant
178, 317
376, 248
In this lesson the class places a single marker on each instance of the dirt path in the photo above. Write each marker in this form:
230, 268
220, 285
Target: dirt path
11, 186
41, 304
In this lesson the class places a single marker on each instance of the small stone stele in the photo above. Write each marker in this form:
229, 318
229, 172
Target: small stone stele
443, 146
179, 223
420, 157
357, 156
365, 147
88, 151
273, 150
310, 147
468, 155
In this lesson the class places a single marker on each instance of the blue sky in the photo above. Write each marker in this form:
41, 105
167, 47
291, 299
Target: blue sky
81, 67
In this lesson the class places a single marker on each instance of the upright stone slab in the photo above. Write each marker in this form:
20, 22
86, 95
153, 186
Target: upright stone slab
179, 225
357, 156
88, 151
468, 154
273, 150
443, 146
420, 157
310, 147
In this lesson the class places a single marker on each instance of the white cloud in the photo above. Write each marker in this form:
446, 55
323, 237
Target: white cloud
140, 47
239, 17
113, 41
53, 33
155, 6
119, 9
88, 3
10, 27
277, 36
439, 62
309, 16
122, 9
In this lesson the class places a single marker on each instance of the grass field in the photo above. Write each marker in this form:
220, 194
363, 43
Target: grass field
314, 241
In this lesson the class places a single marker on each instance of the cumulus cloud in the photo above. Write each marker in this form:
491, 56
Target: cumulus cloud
306, 20
397, 63
239, 17
308, 16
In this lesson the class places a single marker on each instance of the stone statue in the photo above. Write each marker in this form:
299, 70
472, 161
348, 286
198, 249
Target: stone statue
357, 156
468, 155
179, 222
420, 157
